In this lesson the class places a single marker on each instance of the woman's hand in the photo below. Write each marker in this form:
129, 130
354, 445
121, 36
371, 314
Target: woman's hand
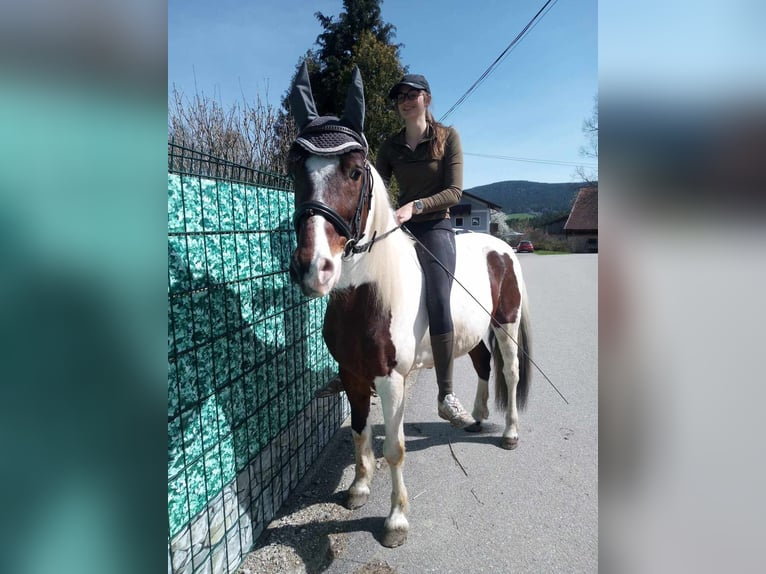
404, 213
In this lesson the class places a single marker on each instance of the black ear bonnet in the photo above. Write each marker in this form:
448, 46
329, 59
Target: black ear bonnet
328, 135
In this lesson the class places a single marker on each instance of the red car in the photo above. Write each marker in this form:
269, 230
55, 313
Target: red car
525, 247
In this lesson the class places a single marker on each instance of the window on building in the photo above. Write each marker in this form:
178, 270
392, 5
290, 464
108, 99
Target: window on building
475, 222
458, 222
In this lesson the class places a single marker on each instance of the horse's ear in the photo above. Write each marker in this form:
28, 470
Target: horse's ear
302, 100
353, 113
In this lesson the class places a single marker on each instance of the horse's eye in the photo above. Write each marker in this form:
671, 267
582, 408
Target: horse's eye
355, 173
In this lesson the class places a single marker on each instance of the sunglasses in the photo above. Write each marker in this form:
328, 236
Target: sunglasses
411, 96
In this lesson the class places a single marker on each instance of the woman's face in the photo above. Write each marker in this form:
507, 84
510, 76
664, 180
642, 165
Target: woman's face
411, 103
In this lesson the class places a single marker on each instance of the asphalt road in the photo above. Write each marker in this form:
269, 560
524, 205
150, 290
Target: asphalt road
534, 509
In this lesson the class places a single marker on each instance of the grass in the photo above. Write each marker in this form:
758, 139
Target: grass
544, 252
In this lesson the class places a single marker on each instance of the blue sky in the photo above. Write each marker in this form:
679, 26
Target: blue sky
532, 106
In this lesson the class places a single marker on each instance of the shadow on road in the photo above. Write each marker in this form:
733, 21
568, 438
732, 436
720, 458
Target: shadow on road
422, 435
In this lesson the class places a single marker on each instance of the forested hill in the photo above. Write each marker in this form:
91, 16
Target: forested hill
528, 196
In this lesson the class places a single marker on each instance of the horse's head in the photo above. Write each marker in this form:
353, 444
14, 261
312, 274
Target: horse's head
332, 184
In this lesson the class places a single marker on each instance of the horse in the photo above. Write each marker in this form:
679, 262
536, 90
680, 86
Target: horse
350, 248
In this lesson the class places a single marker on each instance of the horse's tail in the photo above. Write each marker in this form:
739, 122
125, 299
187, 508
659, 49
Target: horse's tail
524, 349
525, 357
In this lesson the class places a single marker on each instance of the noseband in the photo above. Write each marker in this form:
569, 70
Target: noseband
352, 230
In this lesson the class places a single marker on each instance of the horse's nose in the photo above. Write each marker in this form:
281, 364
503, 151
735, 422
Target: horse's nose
295, 269
314, 279
325, 270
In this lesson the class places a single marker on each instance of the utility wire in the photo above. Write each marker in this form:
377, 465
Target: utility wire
498, 60
532, 160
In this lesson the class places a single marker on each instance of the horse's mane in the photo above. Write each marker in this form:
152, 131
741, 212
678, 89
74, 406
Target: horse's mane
386, 264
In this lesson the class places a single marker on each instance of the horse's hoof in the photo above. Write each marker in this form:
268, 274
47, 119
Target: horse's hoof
394, 538
356, 500
509, 443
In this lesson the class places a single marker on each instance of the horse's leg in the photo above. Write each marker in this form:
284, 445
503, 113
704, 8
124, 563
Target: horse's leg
358, 392
481, 358
391, 392
507, 336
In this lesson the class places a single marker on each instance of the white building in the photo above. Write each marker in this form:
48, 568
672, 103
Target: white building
473, 213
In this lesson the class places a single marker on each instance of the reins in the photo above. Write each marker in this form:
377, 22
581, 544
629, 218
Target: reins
367, 247
495, 321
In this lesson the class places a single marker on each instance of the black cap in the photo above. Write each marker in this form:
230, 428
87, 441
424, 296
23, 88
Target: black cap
414, 80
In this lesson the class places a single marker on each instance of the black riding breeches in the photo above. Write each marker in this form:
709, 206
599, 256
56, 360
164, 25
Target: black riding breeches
437, 236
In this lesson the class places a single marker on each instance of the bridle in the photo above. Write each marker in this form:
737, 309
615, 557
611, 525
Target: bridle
351, 230
330, 136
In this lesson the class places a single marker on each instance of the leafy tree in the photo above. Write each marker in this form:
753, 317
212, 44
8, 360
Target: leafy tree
498, 218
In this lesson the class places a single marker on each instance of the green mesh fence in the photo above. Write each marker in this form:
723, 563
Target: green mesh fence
245, 355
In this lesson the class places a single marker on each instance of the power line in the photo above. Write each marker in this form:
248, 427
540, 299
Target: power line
499, 59
531, 160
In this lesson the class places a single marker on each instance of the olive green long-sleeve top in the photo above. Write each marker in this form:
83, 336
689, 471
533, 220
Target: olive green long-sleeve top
438, 183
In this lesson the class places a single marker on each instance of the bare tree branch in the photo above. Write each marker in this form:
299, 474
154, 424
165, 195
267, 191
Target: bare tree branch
590, 149
248, 134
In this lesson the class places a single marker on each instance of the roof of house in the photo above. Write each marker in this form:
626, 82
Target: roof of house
584, 214
484, 201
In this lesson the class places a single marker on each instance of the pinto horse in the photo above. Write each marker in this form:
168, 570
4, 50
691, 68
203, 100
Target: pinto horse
376, 326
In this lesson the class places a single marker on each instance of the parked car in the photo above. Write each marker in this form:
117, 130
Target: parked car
460, 231
525, 247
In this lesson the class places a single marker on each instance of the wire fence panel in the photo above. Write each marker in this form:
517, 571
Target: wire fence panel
245, 356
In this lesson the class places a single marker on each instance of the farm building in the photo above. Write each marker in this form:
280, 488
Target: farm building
581, 227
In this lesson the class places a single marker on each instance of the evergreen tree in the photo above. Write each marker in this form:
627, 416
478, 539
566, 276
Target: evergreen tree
337, 45
357, 37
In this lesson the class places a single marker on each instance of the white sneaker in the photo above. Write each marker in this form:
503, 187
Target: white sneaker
451, 410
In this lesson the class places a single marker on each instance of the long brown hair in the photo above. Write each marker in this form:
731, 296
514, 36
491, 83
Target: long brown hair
440, 135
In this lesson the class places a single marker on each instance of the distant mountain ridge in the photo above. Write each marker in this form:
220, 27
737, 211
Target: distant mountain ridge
520, 196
